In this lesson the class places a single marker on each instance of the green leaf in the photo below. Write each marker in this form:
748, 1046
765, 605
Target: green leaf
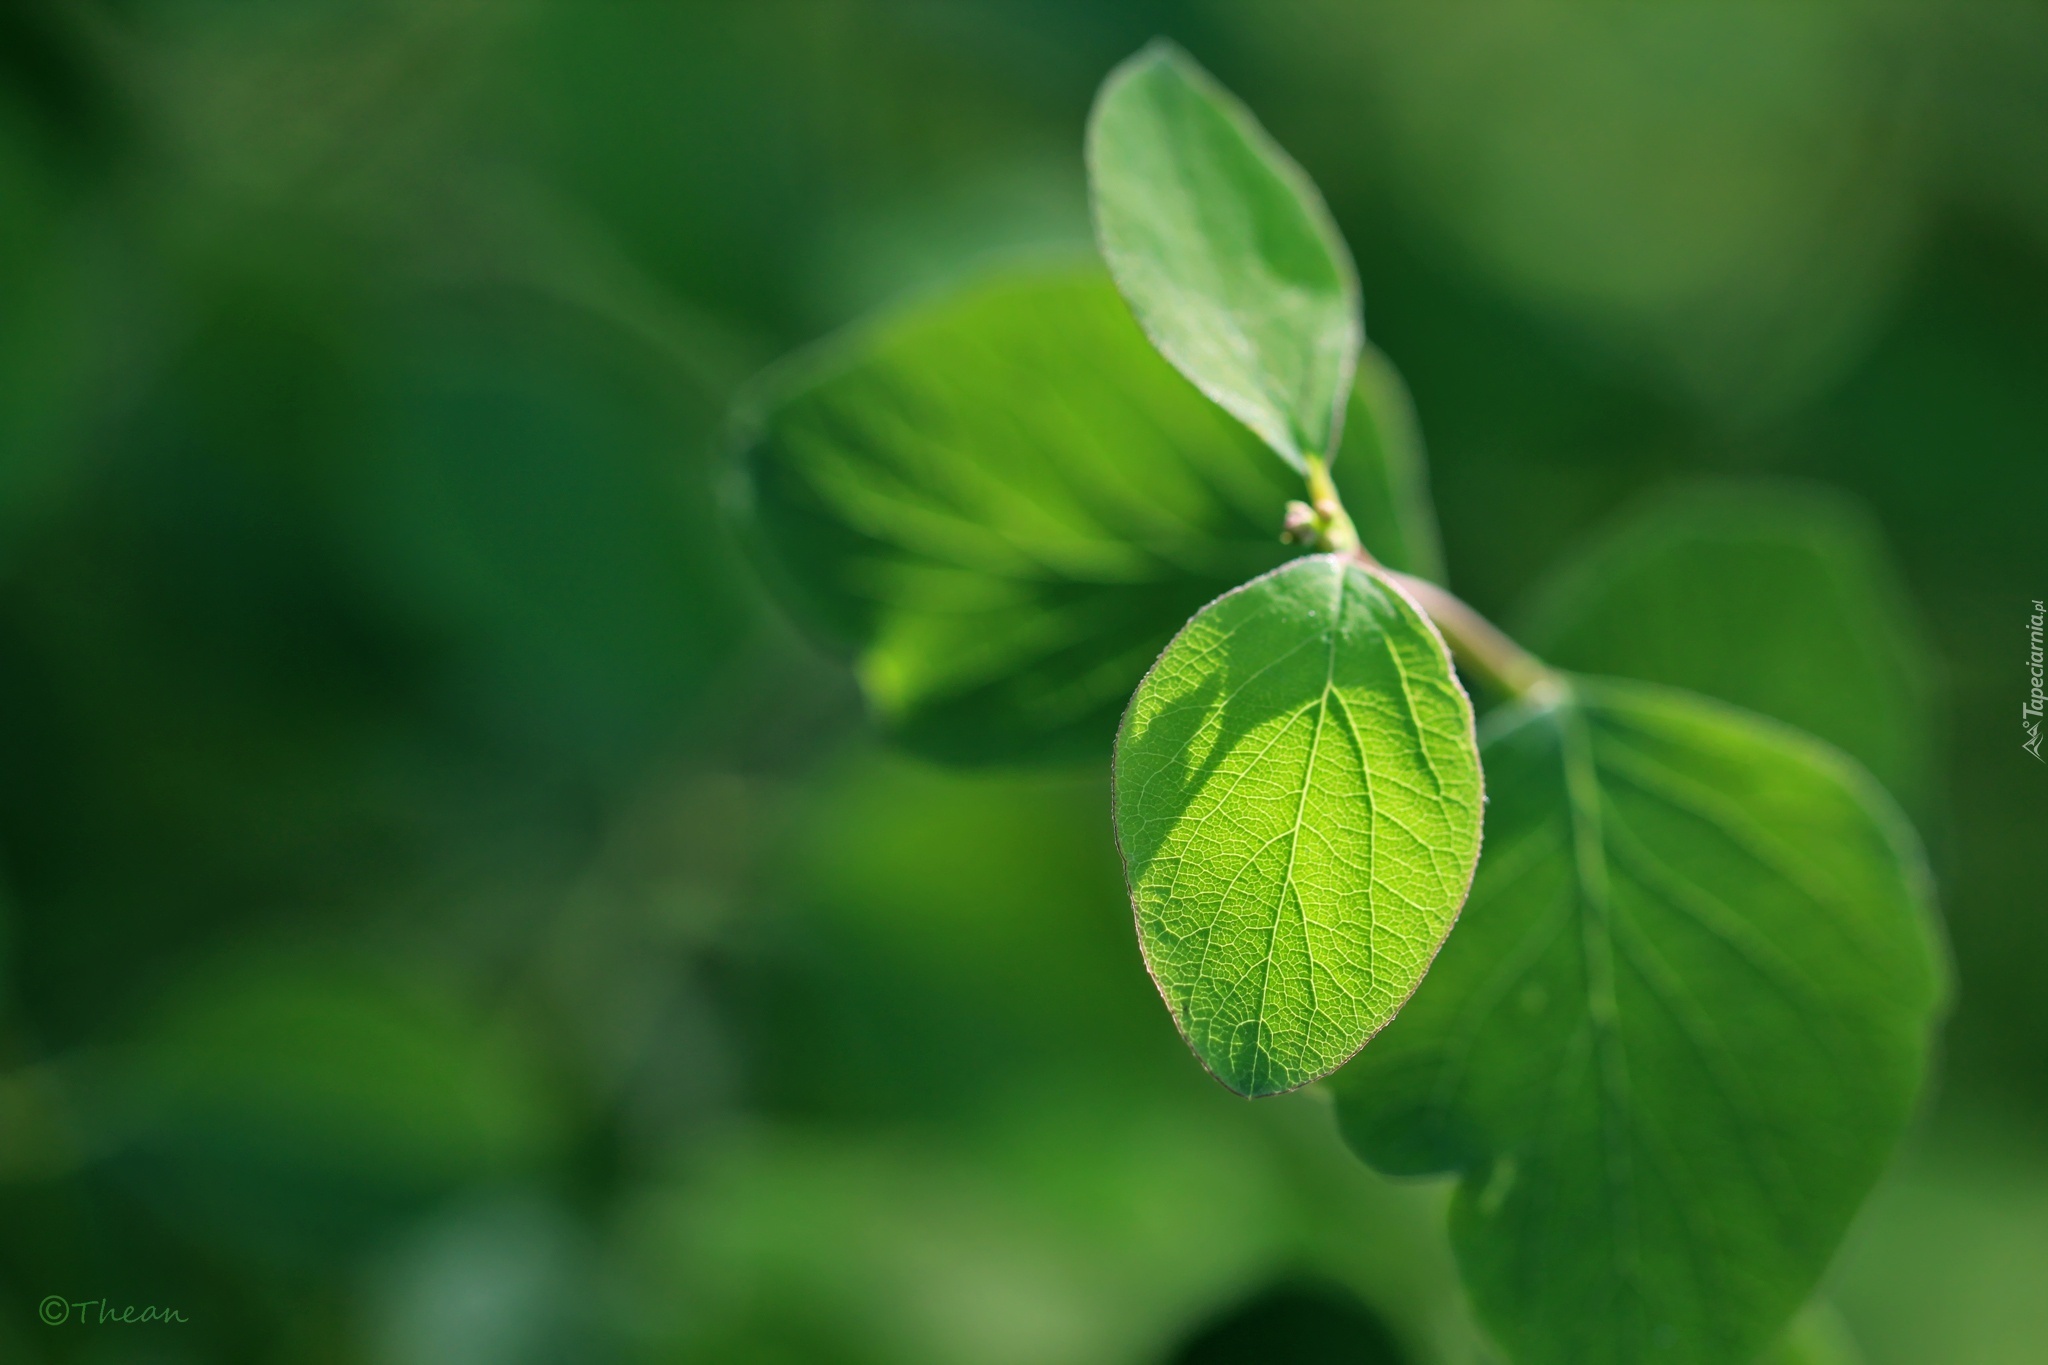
1297, 802
1002, 504
1777, 598
1224, 250
1680, 1027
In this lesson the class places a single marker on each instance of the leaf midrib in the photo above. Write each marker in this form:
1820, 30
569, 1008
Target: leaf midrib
1585, 799
1247, 350
1603, 1010
1335, 632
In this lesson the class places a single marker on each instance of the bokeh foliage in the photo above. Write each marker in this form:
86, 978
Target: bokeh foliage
446, 916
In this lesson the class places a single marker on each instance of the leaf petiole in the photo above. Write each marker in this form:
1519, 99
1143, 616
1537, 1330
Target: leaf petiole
1479, 645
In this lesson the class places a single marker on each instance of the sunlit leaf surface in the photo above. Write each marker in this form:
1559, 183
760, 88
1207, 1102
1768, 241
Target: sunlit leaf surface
1298, 802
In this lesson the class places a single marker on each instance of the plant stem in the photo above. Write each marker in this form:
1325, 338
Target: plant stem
1479, 645
1334, 530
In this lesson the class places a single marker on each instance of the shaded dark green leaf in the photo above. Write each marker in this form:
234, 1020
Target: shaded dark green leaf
1677, 1033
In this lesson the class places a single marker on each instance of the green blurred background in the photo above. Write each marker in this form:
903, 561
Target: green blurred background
446, 915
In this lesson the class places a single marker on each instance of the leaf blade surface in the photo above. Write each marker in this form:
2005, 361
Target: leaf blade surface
1685, 1019
1297, 803
1225, 251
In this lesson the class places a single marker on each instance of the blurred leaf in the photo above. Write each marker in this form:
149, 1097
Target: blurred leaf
1298, 801
1003, 503
1225, 251
493, 1281
773, 125
935, 910
1719, 197
203, 722
298, 1108
1780, 599
1675, 1037
1990, 115
1948, 1261
913, 246
1066, 1238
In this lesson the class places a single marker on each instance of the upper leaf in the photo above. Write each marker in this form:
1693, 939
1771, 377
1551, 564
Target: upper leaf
1675, 1037
1003, 503
1297, 802
1778, 598
1224, 250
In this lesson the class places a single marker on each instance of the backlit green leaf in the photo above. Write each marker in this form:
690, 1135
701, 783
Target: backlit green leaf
1003, 503
1224, 250
1679, 1029
1778, 598
1298, 803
